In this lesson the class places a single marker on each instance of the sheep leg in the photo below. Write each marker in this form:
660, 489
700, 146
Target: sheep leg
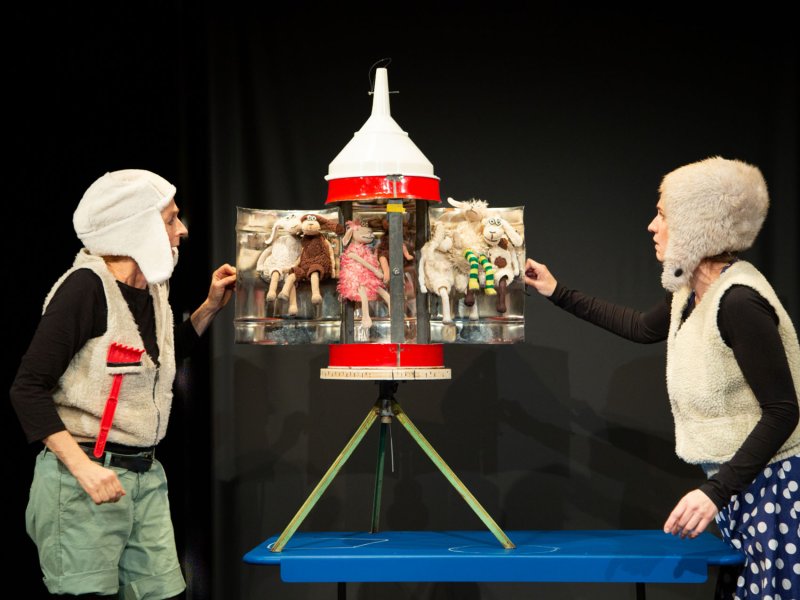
446, 316
386, 297
273, 286
366, 320
316, 297
488, 272
501, 295
293, 301
288, 285
472, 259
409, 288
473, 312
385, 268
469, 297
410, 293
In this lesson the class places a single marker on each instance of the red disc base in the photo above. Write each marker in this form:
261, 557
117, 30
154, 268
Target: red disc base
386, 355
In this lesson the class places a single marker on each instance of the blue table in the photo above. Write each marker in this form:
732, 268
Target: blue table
635, 556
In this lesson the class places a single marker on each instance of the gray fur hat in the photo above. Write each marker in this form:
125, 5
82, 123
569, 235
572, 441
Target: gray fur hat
712, 206
120, 215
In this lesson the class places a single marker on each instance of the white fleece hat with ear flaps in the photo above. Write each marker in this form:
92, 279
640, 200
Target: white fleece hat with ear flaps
712, 206
120, 215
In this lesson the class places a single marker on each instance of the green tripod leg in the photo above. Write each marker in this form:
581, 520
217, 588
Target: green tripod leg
376, 499
326, 479
451, 476
387, 389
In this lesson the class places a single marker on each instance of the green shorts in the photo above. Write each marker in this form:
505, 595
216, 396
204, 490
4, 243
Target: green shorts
125, 548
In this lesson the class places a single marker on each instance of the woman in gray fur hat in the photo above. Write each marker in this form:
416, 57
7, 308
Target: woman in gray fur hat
733, 369
95, 388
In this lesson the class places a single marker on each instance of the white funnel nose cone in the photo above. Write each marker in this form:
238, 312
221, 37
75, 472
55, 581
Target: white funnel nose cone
380, 147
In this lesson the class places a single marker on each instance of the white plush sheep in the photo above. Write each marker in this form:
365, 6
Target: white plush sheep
281, 255
436, 272
503, 241
468, 253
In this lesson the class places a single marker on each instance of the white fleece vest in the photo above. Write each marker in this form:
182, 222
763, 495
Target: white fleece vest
713, 407
145, 395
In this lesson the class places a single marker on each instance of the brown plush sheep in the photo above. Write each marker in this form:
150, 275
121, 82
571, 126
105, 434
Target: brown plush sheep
317, 262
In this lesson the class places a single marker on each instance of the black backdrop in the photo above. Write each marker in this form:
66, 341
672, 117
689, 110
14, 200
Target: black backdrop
574, 114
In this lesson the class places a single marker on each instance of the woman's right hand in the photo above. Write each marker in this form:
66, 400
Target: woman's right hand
101, 483
539, 277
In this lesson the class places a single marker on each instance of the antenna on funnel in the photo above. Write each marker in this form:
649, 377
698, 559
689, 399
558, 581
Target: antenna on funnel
382, 63
381, 161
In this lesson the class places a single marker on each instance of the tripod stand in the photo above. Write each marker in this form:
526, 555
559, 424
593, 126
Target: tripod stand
386, 408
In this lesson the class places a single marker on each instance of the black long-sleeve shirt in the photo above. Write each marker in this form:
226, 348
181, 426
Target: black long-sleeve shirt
77, 313
748, 325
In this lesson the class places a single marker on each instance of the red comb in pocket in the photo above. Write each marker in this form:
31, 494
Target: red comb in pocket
119, 355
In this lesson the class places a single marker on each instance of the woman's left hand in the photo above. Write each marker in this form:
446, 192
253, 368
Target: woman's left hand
223, 282
691, 515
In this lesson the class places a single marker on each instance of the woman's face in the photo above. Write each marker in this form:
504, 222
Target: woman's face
175, 228
658, 227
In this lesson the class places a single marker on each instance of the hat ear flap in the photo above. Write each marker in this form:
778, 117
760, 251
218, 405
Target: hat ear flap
674, 277
120, 215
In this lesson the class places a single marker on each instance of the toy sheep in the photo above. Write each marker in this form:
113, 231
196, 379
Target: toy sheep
317, 262
360, 275
502, 240
436, 272
281, 255
469, 248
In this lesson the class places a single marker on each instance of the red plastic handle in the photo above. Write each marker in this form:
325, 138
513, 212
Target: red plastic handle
108, 416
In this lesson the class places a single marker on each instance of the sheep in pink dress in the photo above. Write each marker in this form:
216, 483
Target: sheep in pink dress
360, 274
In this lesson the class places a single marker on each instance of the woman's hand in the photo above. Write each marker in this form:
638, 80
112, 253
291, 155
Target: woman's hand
691, 515
539, 278
223, 284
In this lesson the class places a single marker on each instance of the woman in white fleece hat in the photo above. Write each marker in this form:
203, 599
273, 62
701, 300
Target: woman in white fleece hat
733, 369
95, 387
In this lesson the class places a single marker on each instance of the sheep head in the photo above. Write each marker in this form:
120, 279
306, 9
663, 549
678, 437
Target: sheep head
312, 225
497, 228
289, 223
474, 209
356, 232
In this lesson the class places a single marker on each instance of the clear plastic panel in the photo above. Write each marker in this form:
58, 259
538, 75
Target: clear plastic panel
485, 317
268, 244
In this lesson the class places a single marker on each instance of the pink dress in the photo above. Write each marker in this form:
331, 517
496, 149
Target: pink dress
353, 274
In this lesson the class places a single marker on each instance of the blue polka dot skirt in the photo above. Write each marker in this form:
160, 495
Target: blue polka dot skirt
763, 522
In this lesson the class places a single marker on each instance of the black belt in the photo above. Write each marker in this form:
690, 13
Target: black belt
138, 460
